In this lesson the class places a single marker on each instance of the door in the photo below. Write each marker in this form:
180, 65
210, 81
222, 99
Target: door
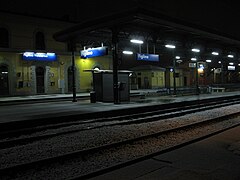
4, 86
185, 81
40, 80
139, 82
146, 83
70, 79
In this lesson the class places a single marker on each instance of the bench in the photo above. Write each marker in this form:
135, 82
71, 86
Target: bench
218, 89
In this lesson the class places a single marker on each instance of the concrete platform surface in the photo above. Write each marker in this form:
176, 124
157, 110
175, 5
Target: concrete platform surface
34, 110
215, 158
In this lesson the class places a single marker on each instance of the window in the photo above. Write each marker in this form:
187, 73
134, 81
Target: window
4, 41
39, 41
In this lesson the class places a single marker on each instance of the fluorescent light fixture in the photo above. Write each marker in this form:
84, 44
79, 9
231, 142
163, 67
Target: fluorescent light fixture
136, 41
230, 56
195, 50
208, 60
127, 52
177, 57
170, 46
193, 59
215, 53
231, 63
231, 68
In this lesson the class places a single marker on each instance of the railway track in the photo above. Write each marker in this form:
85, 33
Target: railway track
28, 135
85, 162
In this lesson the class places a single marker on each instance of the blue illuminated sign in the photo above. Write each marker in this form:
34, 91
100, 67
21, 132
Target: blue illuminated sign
39, 56
93, 52
147, 57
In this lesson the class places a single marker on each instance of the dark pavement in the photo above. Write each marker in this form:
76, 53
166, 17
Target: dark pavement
217, 157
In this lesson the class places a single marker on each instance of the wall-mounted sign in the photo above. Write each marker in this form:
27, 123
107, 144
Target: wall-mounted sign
147, 57
39, 56
192, 65
93, 52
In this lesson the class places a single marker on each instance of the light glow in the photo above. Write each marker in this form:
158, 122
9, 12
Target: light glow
136, 41
170, 46
215, 53
127, 52
195, 50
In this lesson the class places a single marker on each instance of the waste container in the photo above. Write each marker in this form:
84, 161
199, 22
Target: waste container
92, 96
121, 85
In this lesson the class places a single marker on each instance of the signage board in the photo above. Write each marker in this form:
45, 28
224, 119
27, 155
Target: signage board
192, 65
93, 52
147, 57
39, 56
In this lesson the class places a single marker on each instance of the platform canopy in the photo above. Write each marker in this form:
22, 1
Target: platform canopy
150, 24
153, 27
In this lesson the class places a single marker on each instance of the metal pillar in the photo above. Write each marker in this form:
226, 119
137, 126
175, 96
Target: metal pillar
223, 71
115, 65
174, 76
197, 85
73, 73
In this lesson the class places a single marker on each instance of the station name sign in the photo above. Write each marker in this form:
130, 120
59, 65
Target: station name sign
39, 56
147, 57
94, 52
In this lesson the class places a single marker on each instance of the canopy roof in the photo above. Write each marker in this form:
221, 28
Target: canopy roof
148, 23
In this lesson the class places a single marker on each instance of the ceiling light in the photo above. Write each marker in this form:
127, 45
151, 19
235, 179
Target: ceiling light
136, 41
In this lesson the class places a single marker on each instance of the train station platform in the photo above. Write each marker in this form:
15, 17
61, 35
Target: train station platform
19, 108
217, 157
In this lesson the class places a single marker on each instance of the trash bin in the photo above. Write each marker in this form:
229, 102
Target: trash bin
92, 96
121, 86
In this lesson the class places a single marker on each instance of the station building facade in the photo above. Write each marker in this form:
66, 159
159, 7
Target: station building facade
32, 62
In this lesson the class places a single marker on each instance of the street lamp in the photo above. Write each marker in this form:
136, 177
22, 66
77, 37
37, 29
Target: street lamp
174, 67
195, 50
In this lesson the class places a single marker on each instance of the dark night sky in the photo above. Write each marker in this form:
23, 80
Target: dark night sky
221, 15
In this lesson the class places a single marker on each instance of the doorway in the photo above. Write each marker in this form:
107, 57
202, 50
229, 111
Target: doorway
40, 80
4, 86
70, 79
